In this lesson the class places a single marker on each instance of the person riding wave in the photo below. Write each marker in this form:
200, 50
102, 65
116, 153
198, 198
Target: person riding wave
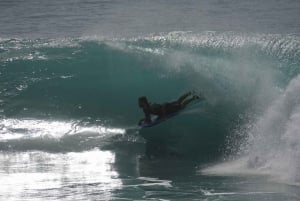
162, 110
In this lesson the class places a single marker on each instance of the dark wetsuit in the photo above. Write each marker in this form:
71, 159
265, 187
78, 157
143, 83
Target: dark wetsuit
161, 110
172, 107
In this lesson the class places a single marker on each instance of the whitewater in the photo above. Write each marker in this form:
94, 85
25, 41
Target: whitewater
69, 85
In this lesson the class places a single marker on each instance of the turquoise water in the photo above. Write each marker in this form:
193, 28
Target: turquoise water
71, 73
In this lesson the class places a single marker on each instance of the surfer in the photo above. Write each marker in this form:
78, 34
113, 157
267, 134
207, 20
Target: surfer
162, 110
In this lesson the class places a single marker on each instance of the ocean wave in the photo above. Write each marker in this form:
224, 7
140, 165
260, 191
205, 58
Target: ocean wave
240, 75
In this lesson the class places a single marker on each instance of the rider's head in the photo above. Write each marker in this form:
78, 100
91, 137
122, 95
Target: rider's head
143, 101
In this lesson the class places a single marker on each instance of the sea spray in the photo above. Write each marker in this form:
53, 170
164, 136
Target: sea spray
272, 144
275, 140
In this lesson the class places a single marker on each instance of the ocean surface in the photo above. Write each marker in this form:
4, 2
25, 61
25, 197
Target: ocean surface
71, 72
